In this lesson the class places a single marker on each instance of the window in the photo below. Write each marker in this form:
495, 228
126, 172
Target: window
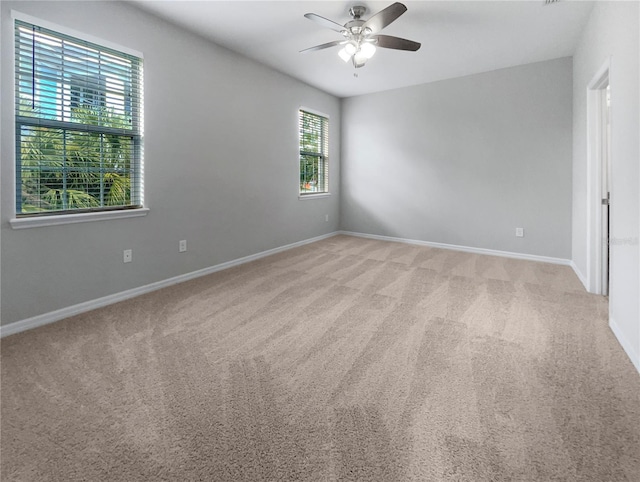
314, 153
78, 125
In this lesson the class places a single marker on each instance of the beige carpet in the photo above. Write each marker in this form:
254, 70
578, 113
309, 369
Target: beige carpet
347, 359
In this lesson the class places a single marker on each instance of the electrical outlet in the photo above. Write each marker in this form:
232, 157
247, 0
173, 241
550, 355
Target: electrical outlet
127, 255
519, 232
326, 218
182, 247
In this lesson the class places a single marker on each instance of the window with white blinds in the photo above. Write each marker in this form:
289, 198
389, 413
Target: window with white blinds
314, 153
78, 125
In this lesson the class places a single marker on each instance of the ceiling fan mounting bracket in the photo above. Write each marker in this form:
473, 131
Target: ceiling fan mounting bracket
357, 11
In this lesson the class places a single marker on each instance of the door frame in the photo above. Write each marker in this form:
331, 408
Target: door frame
596, 236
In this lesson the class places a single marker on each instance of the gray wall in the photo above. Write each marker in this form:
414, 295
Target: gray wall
464, 161
220, 167
612, 33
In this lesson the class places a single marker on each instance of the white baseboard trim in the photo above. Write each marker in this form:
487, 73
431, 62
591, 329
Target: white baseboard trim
626, 345
57, 315
579, 274
467, 249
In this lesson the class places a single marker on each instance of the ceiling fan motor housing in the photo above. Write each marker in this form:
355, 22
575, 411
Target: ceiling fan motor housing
357, 11
354, 28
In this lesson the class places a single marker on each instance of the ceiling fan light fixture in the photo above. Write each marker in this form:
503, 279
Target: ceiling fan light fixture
360, 58
350, 48
344, 55
367, 50
358, 61
361, 37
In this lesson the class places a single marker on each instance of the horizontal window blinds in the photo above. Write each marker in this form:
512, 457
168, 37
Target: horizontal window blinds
56, 73
314, 152
78, 124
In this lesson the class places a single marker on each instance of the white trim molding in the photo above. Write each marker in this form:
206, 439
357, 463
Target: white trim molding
467, 249
60, 314
579, 274
594, 192
53, 316
39, 221
626, 344
309, 197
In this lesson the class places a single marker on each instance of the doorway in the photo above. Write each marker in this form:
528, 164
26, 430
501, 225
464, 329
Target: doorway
605, 103
599, 190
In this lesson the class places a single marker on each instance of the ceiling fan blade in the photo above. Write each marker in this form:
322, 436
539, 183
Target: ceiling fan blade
324, 46
384, 17
389, 42
325, 22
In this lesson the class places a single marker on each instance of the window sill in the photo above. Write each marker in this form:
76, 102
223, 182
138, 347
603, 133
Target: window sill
306, 197
37, 222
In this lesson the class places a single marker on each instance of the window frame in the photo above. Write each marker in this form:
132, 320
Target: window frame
326, 157
48, 218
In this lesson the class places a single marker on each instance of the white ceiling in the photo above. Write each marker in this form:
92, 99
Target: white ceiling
458, 38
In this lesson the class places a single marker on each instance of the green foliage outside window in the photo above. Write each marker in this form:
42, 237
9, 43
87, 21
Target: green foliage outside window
65, 169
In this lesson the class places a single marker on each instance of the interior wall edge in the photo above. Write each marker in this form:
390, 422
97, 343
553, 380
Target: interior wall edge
579, 274
627, 346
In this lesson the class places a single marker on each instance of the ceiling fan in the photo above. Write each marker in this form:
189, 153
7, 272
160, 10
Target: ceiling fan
361, 36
